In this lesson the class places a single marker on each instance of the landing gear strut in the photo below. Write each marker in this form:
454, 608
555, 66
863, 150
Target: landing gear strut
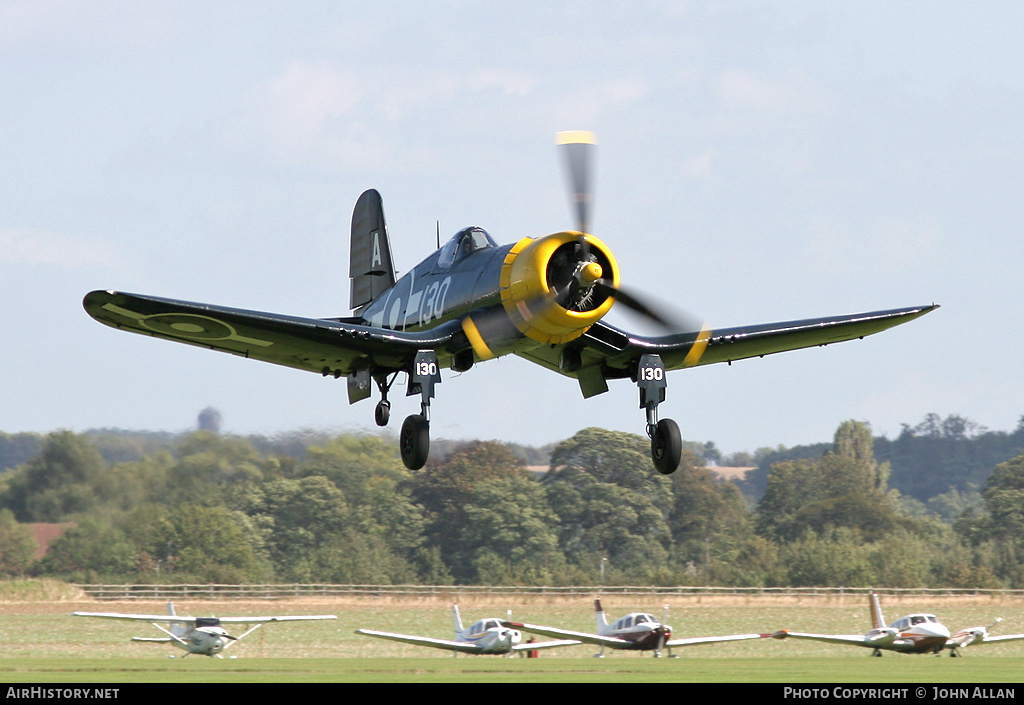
414, 440
666, 442
382, 413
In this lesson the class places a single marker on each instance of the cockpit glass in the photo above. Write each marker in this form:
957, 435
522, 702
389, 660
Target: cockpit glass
641, 618
462, 244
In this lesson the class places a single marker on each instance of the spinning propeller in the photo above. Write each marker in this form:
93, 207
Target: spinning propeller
587, 275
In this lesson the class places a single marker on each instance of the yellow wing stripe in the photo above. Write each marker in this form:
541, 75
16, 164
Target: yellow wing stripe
699, 346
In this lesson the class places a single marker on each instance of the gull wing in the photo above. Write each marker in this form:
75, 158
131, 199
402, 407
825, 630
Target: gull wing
176, 619
606, 352
322, 345
697, 641
554, 632
462, 646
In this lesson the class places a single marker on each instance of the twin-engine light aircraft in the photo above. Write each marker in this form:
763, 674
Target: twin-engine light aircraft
542, 299
638, 631
918, 633
199, 635
484, 637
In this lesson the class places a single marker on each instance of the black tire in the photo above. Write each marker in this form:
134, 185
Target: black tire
666, 447
382, 414
415, 441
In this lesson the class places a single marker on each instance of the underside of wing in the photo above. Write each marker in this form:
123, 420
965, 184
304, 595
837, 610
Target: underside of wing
327, 346
605, 352
423, 641
697, 641
545, 644
154, 639
556, 633
137, 617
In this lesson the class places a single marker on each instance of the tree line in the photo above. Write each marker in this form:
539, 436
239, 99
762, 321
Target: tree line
205, 507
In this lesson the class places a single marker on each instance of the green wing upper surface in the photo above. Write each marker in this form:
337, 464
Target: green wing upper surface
327, 346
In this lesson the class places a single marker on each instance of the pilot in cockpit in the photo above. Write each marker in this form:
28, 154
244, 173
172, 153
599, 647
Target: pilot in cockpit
463, 244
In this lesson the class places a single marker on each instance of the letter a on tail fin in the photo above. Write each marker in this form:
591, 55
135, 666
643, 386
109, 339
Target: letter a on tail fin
370, 266
877, 621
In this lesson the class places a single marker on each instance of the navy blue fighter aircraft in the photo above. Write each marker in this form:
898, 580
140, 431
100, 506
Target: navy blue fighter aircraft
540, 298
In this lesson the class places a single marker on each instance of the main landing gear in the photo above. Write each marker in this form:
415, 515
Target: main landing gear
414, 441
666, 442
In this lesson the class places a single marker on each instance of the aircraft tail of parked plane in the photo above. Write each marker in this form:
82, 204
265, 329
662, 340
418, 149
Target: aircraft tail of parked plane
877, 620
919, 633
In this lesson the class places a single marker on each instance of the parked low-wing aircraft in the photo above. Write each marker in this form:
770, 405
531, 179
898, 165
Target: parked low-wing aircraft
199, 635
919, 633
637, 631
484, 637
542, 299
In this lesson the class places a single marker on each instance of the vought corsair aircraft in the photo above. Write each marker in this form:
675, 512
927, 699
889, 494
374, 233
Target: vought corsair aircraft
205, 636
484, 637
638, 631
914, 634
542, 299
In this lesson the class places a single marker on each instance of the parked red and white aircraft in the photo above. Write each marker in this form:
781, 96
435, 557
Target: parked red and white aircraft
637, 631
198, 635
484, 637
920, 633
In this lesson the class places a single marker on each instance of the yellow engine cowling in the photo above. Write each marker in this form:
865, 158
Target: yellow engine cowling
530, 279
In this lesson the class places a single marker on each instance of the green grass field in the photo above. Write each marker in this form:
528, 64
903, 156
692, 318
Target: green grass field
42, 643
781, 670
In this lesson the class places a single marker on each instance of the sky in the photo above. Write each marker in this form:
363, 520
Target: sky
757, 162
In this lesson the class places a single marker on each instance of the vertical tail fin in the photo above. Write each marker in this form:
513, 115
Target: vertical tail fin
370, 265
876, 612
458, 621
170, 610
601, 620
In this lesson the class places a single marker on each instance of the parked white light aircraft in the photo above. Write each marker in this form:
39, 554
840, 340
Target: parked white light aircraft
199, 635
638, 631
919, 633
486, 636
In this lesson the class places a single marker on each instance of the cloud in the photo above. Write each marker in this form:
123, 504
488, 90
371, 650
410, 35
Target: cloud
317, 113
787, 95
47, 249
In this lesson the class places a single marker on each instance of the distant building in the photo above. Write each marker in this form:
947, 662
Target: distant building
209, 420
